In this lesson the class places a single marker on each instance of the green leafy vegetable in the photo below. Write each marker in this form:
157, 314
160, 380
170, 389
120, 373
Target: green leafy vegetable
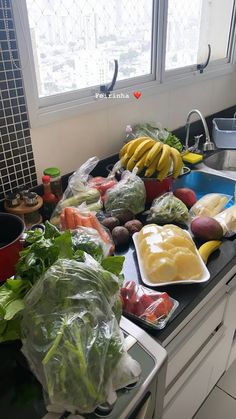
88, 243
173, 141
158, 133
71, 332
113, 264
11, 306
128, 194
42, 251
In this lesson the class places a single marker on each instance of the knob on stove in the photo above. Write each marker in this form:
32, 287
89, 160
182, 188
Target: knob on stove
103, 410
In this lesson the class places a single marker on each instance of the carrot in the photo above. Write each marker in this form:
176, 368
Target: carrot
103, 234
86, 220
69, 218
63, 221
78, 220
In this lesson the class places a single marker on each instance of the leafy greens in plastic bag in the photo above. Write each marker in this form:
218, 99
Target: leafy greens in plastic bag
71, 335
128, 194
167, 209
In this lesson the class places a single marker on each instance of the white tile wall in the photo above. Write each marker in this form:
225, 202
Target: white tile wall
68, 143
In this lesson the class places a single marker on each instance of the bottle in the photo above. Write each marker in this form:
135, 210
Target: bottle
55, 179
129, 134
49, 199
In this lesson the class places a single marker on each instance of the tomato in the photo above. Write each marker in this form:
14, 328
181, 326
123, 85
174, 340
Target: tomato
102, 184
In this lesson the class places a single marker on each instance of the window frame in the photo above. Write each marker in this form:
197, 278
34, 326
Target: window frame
69, 104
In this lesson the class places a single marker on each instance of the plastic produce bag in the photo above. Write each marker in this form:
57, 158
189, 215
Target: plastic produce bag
72, 218
71, 335
227, 220
167, 209
103, 184
152, 307
210, 204
128, 194
79, 191
155, 131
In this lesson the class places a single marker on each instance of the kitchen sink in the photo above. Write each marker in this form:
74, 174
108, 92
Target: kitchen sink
203, 183
223, 160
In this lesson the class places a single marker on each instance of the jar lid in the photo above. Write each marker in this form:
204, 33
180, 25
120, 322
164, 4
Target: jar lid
52, 171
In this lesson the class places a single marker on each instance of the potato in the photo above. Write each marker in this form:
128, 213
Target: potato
110, 222
133, 226
120, 235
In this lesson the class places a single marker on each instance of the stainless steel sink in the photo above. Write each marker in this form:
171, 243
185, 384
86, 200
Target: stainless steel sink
203, 183
223, 160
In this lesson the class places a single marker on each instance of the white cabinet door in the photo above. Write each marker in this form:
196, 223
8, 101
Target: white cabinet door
208, 368
230, 320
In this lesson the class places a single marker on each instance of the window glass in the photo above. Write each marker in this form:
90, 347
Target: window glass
75, 42
191, 26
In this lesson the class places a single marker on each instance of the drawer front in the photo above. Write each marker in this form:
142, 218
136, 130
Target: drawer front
200, 380
189, 341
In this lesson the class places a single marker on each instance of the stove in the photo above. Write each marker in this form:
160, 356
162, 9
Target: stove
144, 399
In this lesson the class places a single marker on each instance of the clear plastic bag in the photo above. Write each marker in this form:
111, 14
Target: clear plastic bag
227, 220
103, 184
79, 191
128, 194
152, 307
210, 204
167, 209
71, 218
71, 334
157, 132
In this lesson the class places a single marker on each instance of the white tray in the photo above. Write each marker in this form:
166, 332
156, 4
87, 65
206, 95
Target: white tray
204, 278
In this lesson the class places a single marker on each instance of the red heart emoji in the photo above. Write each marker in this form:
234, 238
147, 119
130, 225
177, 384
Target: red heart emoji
137, 94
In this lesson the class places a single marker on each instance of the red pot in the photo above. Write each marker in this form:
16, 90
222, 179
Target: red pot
155, 188
11, 243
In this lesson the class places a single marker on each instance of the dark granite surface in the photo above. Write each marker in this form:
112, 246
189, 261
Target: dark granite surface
188, 295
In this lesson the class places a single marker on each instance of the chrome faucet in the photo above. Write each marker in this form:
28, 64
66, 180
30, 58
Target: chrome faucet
208, 145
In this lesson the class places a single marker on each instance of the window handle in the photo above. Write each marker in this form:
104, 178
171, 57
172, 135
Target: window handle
202, 66
106, 88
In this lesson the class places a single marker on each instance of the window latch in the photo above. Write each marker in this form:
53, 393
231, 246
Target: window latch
202, 66
107, 88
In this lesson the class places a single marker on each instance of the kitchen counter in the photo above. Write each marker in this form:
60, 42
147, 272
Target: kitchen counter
189, 295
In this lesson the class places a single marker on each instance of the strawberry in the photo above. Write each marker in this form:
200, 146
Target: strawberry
129, 289
146, 300
163, 307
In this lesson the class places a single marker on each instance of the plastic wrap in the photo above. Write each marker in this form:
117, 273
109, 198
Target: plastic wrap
151, 307
128, 194
227, 220
79, 191
71, 334
167, 209
210, 204
72, 218
103, 184
157, 132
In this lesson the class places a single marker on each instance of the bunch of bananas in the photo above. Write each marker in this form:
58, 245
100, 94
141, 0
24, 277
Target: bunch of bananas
152, 156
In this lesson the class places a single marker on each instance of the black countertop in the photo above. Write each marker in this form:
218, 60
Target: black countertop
189, 295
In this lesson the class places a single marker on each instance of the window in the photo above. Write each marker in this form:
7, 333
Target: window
68, 47
192, 25
75, 42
